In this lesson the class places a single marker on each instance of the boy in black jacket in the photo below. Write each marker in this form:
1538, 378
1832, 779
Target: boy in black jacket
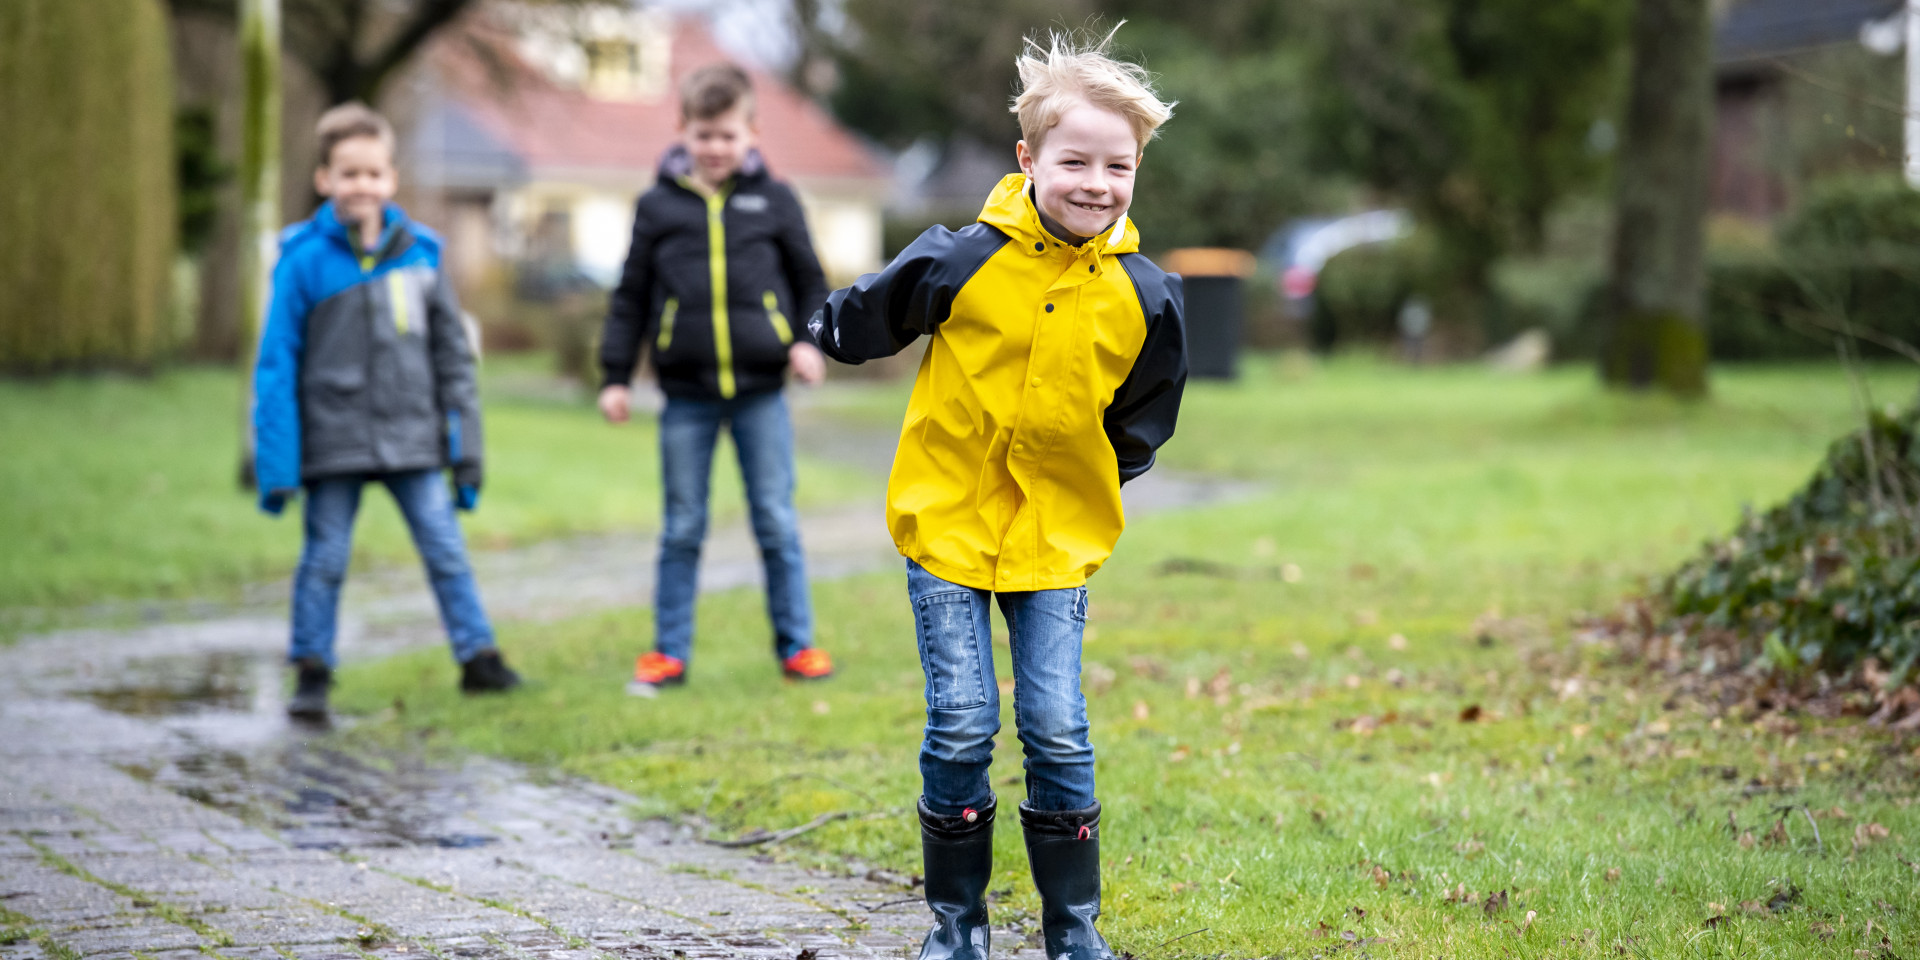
719, 266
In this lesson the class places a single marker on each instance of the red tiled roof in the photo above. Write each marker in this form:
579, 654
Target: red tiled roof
556, 129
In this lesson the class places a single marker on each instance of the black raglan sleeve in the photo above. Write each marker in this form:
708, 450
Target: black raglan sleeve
804, 276
1141, 417
884, 312
630, 309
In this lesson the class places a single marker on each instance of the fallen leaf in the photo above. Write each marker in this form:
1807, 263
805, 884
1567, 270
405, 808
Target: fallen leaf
1397, 642
1381, 878
1579, 730
1867, 833
1364, 725
1396, 677
1193, 687
1366, 618
822, 707
1528, 922
1352, 681
1470, 713
1495, 903
1300, 650
1148, 668
1753, 906
1179, 754
1822, 930
1100, 678
1470, 848
1221, 683
1322, 931
1140, 710
1716, 907
1714, 921
1746, 840
1777, 837
1613, 874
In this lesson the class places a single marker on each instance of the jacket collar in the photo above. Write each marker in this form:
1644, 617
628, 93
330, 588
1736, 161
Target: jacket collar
677, 163
394, 233
1010, 209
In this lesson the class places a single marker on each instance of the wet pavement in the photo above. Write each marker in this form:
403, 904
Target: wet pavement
155, 802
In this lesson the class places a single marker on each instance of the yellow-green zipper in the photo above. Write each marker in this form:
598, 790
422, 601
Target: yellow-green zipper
717, 281
397, 292
775, 317
665, 339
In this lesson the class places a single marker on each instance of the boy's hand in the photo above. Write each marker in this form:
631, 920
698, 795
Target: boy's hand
809, 364
615, 403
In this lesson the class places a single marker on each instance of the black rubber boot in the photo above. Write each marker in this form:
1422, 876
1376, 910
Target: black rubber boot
487, 673
1064, 848
310, 690
958, 855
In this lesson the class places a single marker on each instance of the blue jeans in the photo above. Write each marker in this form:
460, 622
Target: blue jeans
763, 438
963, 700
424, 501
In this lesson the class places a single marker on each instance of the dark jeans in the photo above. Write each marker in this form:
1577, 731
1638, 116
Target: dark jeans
332, 504
963, 699
763, 438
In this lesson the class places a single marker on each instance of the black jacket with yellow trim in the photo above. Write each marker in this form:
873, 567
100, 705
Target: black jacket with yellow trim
749, 240
1052, 374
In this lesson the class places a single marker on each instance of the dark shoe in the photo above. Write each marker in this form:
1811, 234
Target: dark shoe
310, 690
958, 857
487, 673
1064, 849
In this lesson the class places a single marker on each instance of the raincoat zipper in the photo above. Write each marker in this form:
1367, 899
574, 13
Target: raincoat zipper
717, 281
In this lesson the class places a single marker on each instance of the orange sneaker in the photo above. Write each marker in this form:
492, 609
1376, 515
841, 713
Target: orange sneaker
655, 670
809, 664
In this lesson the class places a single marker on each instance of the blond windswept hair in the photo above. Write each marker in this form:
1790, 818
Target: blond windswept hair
1071, 70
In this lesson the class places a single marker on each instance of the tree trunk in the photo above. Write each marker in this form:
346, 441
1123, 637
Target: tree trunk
259, 188
87, 214
1657, 335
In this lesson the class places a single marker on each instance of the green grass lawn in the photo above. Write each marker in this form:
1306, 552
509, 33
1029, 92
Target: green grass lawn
1283, 757
114, 487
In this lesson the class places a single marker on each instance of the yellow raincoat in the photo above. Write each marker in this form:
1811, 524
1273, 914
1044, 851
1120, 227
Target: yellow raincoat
1052, 375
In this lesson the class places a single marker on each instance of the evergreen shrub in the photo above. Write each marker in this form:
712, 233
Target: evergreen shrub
1832, 576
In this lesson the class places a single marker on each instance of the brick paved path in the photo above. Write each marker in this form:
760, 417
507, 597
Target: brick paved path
154, 803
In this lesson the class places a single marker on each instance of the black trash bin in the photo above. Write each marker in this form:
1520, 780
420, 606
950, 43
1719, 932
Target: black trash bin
1214, 279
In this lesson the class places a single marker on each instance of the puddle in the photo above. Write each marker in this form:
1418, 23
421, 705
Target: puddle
181, 686
321, 797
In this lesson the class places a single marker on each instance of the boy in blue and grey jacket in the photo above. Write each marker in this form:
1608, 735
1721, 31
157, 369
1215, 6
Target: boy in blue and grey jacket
366, 374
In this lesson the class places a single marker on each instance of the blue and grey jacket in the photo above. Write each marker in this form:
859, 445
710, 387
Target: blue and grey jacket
364, 364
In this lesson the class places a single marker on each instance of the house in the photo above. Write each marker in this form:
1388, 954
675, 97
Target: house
539, 129
1773, 60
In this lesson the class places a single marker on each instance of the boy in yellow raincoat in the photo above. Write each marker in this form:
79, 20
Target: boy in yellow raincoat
1054, 369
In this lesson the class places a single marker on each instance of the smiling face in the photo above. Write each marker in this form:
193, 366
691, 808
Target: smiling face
359, 177
719, 144
1083, 172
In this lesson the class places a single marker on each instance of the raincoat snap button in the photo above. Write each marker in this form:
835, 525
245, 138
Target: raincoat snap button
1089, 268
1049, 308
1037, 245
1036, 381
